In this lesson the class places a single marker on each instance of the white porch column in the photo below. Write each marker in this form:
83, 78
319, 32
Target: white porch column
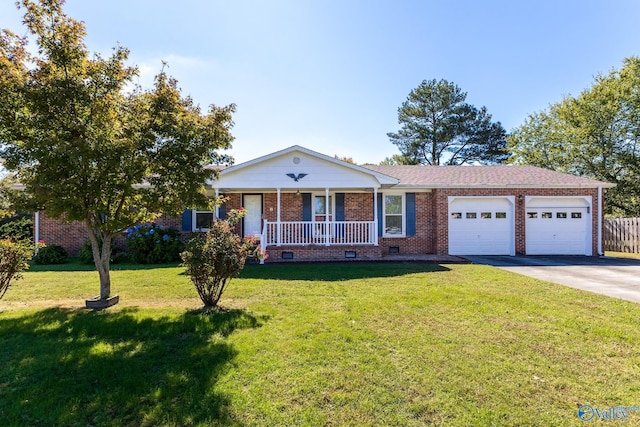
327, 207
279, 224
375, 216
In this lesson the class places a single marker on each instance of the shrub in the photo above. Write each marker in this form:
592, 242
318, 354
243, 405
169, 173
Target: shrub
213, 258
50, 254
16, 228
153, 244
86, 253
14, 259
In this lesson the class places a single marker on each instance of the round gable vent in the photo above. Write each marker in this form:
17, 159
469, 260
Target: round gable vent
296, 160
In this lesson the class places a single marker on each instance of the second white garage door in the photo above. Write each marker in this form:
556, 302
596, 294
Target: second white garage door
481, 226
558, 226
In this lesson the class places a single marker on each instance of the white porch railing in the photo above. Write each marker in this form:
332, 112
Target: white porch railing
319, 233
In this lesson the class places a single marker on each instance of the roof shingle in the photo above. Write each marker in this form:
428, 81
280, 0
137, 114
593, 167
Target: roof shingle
483, 176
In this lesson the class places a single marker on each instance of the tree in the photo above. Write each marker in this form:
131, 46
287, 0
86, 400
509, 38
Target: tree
596, 135
439, 127
90, 146
397, 159
344, 159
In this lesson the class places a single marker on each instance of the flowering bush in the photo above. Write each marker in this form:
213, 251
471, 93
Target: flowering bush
153, 244
14, 259
213, 258
49, 254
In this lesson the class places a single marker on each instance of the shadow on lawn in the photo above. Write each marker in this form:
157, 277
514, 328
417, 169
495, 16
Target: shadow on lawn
337, 271
77, 367
75, 265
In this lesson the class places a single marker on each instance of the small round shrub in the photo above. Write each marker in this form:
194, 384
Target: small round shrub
51, 254
86, 253
153, 244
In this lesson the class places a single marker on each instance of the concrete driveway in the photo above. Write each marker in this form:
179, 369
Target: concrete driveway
615, 277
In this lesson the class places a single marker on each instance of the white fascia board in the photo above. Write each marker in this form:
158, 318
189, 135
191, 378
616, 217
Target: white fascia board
382, 179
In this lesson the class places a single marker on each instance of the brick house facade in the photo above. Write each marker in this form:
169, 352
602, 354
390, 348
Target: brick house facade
303, 205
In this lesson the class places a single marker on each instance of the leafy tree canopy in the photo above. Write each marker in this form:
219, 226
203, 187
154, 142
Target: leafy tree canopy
595, 134
439, 127
88, 144
397, 159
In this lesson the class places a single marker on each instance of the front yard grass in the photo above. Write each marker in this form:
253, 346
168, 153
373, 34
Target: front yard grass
315, 344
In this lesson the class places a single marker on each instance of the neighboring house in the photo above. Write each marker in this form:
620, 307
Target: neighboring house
304, 205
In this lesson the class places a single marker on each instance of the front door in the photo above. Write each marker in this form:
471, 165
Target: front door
252, 222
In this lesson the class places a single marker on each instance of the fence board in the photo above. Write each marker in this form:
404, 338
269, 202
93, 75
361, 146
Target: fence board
622, 235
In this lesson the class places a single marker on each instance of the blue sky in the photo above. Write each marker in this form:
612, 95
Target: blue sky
330, 74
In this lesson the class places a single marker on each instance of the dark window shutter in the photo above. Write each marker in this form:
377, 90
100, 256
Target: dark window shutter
379, 207
186, 220
339, 214
222, 211
306, 206
339, 206
410, 201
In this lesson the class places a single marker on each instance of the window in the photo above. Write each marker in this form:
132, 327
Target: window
393, 215
547, 215
485, 215
456, 215
501, 215
320, 207
203, 220
576, 215
532, 215
472, 215
322, 211
561, 215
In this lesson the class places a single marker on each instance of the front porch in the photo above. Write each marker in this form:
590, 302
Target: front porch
325, 233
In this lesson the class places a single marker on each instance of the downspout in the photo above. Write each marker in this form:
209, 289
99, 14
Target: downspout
600, 214
217, 208
36, 230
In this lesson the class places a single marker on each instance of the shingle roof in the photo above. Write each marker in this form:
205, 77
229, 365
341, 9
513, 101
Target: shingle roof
484, 176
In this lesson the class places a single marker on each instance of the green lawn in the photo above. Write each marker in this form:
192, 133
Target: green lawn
315, 344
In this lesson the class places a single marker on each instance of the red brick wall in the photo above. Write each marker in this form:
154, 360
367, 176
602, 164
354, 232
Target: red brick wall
423, 242
71, 235
431, 219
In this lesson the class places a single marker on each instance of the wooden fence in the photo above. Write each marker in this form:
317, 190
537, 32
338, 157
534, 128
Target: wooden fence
622, 235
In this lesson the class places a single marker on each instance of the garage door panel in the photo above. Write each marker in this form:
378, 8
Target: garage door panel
558, 230
481, 227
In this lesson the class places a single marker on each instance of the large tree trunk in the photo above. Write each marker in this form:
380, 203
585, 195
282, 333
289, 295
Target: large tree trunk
101, 259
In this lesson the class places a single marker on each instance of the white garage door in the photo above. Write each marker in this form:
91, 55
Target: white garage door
481, 226
558, 226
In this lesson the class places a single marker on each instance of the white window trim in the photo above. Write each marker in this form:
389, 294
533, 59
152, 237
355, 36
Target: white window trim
194, 214
384, 215
332, 208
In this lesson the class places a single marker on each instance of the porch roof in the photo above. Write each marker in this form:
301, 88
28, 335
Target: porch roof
297, 168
